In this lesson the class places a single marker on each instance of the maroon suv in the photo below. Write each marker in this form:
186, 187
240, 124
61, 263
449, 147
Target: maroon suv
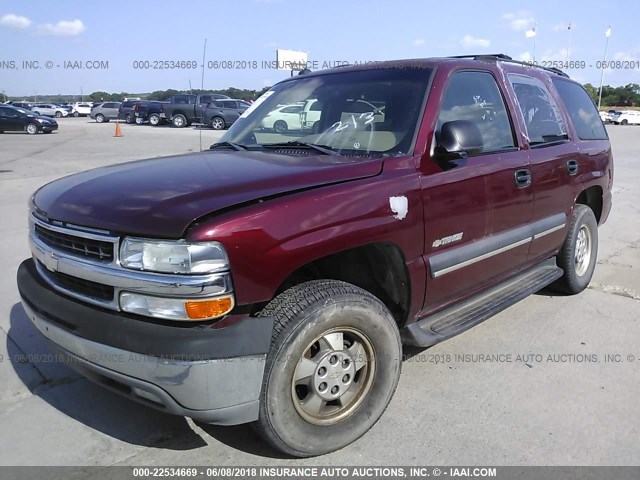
274, 278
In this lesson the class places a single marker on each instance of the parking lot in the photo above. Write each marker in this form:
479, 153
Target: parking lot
561, 386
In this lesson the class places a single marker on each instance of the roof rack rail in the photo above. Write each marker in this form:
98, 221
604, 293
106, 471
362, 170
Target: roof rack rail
506, 58
500, 56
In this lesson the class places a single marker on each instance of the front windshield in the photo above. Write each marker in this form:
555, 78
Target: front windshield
358, 113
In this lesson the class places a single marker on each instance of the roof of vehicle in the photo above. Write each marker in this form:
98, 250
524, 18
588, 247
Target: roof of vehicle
468, 61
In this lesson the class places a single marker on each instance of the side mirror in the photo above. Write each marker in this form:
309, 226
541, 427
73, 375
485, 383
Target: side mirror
457, 140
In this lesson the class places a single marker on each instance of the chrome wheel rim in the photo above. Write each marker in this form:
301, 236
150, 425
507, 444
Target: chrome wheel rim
178, 121
99, 119
582, 255
153, 120
217, 123
333, 376
31, 128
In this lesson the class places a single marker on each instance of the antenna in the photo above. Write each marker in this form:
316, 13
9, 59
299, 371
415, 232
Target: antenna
204, 53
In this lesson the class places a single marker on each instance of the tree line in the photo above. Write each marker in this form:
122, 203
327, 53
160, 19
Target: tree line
623, 96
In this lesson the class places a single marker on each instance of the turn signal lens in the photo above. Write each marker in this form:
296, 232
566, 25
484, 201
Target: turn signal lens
209, 308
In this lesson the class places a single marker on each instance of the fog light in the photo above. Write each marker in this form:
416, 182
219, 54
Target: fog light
175, 308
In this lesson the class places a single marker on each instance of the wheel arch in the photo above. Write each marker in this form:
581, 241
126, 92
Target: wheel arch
592, 197
379, 268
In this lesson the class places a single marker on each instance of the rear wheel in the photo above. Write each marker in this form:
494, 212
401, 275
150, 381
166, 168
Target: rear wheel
139, 121
179, 121
76, 114
579, 252
100, 118
333, 367
32, 128
217, 123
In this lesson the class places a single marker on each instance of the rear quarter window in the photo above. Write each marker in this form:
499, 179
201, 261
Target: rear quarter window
582, 111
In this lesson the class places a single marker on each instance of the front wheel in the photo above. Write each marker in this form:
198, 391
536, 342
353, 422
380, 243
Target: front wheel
333, 367
100, 118
32, 129
154, 119
217, 123
624, 122
579, 252
76, 114
280, 126
58, 114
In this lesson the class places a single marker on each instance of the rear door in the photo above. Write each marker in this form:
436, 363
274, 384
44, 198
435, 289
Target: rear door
11, 120
553, 157
476, 212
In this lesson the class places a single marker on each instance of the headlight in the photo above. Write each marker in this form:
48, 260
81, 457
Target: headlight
167, 256
41, 120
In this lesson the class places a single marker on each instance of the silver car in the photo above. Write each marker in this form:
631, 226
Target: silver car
103, 112
49, 110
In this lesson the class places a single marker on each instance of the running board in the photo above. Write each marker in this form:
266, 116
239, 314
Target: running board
460, 317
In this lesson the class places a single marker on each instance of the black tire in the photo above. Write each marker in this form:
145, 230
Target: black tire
31, 128
58, 114
76, 114
100, 118
154, 119
217, 123
305, 316
624, 122
280, 126
179, 121
577, 274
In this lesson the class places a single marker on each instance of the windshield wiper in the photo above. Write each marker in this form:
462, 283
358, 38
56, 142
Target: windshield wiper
295, 144
235, 146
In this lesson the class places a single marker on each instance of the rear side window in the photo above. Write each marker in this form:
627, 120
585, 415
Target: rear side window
541, 114
582, 111
475, 96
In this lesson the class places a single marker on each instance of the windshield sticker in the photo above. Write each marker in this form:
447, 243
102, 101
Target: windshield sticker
257, 103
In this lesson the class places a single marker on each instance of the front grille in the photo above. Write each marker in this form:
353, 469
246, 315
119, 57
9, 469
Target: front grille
87, 247
80, 286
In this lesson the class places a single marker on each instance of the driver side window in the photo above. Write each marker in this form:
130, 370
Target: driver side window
474, 96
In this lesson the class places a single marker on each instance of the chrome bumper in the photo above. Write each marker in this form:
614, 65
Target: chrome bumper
221, 391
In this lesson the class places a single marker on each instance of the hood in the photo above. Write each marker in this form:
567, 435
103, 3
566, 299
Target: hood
161, 197
42, 117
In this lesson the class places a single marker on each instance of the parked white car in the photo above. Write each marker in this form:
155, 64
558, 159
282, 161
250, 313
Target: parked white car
284, 118
49, 110
80, 109
627, 117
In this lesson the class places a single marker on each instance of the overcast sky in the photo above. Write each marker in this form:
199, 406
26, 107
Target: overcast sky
121, 32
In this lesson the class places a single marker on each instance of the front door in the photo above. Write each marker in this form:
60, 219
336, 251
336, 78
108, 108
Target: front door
477, 211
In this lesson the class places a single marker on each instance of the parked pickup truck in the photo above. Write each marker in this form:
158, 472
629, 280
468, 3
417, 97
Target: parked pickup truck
274, 278
184, 109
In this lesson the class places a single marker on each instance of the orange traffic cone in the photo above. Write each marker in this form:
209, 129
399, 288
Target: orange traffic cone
118, 130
